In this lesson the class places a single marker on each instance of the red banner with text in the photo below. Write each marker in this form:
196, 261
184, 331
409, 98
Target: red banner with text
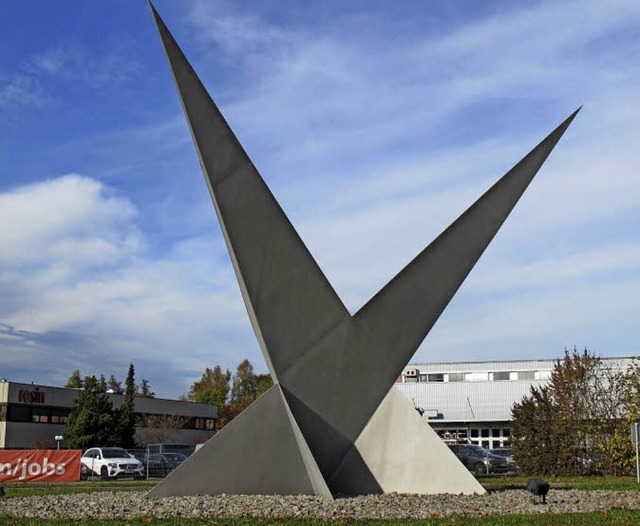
39, 465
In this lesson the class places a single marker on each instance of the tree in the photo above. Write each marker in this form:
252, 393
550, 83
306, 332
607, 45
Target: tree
145, 390
245, 384
91, 420
75, 380
102, 384
533, 433
265, 382
161, 428
126, 414
578, 423
114, 384
212, 388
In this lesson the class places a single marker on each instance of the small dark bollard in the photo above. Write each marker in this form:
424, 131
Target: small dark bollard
538, 488
1, 491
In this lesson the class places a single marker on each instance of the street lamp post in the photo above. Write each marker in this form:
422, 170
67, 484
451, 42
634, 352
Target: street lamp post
58, 438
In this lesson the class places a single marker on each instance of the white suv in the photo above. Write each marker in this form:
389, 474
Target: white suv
111, 462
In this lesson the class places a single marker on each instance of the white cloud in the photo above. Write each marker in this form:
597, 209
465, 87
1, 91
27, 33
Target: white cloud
81, 288
68, 219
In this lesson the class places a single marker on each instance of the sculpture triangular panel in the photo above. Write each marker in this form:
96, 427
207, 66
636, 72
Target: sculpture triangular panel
260, 452
276, 273
399, 452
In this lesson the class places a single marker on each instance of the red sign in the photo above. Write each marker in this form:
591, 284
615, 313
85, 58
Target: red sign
31, 397
39, 465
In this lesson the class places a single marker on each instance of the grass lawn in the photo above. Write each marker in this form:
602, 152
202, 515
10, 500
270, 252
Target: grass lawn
615, 517
497, 483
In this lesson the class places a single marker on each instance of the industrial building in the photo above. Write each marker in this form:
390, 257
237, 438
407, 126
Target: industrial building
472, 401
31, 416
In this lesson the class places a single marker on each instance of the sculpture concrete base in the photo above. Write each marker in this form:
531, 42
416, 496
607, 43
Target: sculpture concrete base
263, 452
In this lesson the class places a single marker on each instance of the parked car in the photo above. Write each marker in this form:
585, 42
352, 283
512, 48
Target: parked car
161, 449
111, 462
507, 453
479, 460
84, 472
162, 465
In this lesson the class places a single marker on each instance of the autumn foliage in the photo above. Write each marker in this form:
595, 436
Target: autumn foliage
579, 424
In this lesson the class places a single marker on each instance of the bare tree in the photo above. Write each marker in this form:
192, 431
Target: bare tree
160, 428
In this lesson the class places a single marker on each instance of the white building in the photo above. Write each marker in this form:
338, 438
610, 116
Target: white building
32, 415
472, 401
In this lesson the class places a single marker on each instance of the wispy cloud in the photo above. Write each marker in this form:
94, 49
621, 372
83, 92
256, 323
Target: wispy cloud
38, 79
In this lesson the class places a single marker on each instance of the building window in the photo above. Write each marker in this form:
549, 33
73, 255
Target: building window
456, 377
476, 377
526, 375
205, 423
506, 433
501, 375
484, 433
495, 433
435, 377
474, 433
18, 414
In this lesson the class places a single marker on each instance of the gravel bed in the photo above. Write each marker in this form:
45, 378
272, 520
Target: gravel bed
393, 505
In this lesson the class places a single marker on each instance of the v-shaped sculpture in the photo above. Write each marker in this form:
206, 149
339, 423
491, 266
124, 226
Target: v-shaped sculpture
331, 423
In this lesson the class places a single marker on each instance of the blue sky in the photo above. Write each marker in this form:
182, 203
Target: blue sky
375, 124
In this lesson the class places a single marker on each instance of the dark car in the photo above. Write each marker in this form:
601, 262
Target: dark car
479, 460
505, 452
161, 465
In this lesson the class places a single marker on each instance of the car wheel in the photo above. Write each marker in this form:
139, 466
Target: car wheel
104, 474
479, 469
84, 476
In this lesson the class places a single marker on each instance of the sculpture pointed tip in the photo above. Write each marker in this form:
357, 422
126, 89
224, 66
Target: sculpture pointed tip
154, 12
573, 115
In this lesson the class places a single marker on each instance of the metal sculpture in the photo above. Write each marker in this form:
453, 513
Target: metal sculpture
331, 423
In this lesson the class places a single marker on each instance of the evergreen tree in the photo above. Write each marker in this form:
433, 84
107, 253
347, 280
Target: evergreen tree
75, 380
145, 389
126, 416
102, 384
114, 384
91, 420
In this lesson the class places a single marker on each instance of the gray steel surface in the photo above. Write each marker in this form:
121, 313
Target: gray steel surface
313, 347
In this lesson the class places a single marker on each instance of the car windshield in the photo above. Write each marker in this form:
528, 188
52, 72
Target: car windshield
115, 452
175, 457
478, 450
